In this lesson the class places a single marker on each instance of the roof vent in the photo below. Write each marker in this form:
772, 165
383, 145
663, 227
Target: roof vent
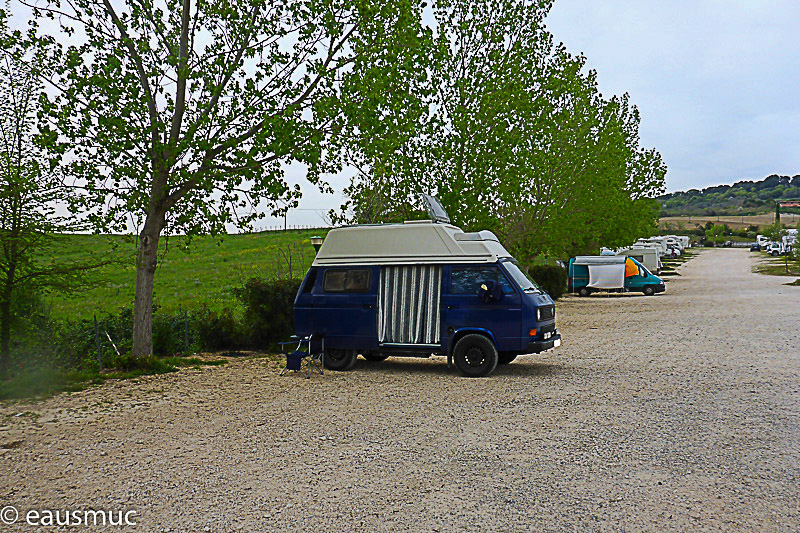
435, 209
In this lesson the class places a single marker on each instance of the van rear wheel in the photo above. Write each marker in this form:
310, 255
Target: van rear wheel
338, 359
475, 356
584, 291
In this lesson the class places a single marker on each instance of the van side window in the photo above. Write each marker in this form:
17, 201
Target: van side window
467, 280
311, 279
347, 280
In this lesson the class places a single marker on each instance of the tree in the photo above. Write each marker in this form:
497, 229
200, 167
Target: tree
715, 233
516, 139
29, 189
775, 232
179, 117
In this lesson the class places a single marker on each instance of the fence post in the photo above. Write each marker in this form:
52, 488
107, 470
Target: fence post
186, 330
97, 342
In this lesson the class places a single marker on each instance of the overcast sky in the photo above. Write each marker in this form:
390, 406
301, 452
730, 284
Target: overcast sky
716, 82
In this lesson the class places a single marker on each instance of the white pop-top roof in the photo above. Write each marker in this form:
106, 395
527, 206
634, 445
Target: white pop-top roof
414, 242
599, 260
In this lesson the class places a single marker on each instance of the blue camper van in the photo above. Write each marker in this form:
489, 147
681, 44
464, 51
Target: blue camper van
418, 289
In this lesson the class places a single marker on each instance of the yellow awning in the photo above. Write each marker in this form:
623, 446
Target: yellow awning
630, 268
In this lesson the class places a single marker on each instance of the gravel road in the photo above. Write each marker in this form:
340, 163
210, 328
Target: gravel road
674, 412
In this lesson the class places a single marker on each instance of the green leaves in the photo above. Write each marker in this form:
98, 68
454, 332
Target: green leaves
169, 108
509, 130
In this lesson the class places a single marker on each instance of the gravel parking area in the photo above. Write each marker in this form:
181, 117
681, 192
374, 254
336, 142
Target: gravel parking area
674, 412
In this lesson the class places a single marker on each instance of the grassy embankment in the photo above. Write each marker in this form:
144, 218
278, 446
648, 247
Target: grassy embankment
778, 266
43, 382
669, 265
202, 275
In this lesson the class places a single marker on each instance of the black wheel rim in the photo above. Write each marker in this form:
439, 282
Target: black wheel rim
474, 356
336, 355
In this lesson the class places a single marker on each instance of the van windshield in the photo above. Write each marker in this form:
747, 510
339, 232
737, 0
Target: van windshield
522, 279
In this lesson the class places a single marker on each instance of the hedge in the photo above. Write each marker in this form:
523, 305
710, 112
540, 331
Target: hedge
551, 278
268, 310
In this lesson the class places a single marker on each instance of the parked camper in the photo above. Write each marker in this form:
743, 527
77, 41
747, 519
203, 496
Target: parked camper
418, 289
659, 244
789, 240
588, 274
648, 256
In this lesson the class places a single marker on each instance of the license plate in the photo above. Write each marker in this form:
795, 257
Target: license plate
556, 343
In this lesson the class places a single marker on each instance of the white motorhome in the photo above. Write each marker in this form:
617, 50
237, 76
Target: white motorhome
657, 242
672, 240
646, 255
788, 241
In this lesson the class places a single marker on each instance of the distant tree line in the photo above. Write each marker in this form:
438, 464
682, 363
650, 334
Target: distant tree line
741, 198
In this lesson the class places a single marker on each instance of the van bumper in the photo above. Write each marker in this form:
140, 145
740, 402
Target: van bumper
541, 346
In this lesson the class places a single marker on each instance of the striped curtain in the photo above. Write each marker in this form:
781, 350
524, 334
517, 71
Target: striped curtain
408, 304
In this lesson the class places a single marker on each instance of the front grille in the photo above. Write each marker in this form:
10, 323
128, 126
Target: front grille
547, 312
550, 328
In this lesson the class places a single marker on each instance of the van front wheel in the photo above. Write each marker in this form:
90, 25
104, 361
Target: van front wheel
475, 356
337, 359
648, 291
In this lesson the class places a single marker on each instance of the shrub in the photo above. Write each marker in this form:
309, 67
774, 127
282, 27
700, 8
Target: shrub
268, 310
551, 278
216, 330
169, 334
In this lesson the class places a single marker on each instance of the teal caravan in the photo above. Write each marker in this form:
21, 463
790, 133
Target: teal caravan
614, 273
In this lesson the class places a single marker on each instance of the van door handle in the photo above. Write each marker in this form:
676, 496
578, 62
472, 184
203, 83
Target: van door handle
367, 306
452, 307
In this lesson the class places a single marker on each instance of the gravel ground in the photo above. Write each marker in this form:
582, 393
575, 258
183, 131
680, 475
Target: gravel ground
674, 412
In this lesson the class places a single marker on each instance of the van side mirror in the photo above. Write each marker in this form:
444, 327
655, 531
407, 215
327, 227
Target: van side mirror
491, 291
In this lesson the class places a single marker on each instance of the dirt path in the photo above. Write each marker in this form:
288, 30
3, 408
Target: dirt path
676, 412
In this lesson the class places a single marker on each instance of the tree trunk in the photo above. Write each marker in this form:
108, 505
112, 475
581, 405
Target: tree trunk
5, 321
5, 336
146, 262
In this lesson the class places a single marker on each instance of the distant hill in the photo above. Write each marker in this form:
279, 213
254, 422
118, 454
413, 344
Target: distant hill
742, 198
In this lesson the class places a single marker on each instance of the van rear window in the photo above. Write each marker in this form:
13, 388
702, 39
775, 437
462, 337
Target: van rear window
347, 280
311, 279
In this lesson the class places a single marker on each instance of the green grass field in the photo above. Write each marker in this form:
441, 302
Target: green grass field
203, 275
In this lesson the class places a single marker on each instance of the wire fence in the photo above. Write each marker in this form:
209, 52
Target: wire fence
288, 227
